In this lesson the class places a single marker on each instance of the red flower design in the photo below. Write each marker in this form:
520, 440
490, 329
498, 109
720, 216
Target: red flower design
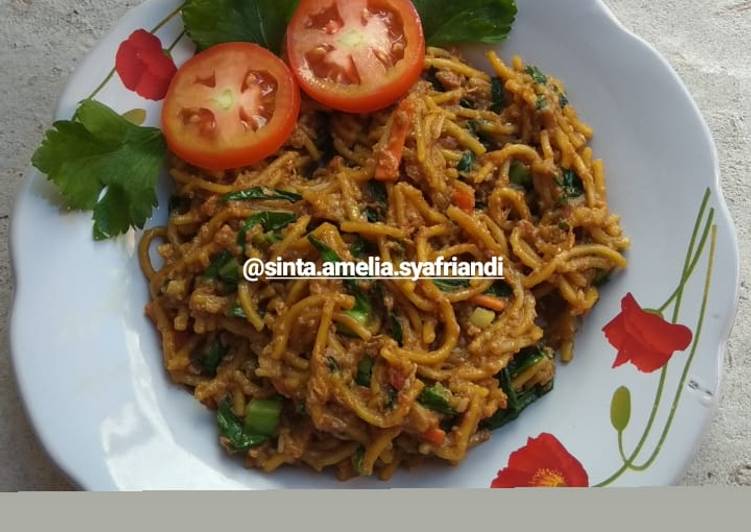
144, 66
644, 338
543, 463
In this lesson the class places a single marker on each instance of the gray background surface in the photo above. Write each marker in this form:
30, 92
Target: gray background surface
707, 41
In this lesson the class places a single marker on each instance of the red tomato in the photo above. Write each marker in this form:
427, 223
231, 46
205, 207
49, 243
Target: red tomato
356, 56
230, 106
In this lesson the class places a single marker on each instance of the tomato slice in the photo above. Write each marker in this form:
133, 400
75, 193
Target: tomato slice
230, 106
356, 56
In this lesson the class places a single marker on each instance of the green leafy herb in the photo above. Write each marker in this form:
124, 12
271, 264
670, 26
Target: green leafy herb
237, 312
438, 398
497, 95
536, 74
357, 460
451, 285
224, 267
482, 21
602, 278
500, 289
270, 221
526, 358
327, 254
364, 371
262, 416
361, 248
377, 192
210, 22
518, 400
467, 162
373, 215
213, 356
542, 103
395, 329
104, 163
571, 185
231, 428
520, 175
378, 197
261, 193
467, 103
332, 364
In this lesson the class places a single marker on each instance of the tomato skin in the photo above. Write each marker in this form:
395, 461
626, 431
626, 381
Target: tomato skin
231, 146
356, 98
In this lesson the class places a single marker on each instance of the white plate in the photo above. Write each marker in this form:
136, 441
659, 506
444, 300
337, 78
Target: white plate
89, 365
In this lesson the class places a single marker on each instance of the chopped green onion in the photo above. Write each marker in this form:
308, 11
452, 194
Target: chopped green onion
364, 371
437, 398
262, 416
237, 312
520, 175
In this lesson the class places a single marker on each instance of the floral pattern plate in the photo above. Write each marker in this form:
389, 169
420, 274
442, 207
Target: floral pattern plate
629, 411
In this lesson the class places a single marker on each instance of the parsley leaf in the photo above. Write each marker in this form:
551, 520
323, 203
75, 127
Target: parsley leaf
210, 22
480, 21
99, 151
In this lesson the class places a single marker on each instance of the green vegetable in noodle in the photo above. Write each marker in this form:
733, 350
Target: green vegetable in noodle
500, 289
357, 460
270, 221
437, 398
466, 163
536, 74
364, 371
261, 193
571, 185
101, 162
395, 329
262, 416
211, 22
451, 285
327, 254
497, 95
224, 267
231, 428
212, 357
520, 175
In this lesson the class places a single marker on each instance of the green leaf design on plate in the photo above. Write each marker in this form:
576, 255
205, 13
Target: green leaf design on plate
620, 409
135, 116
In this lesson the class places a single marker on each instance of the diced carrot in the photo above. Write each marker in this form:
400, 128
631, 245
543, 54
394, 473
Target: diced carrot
389, 157
464, 198
435, 436
489, 302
